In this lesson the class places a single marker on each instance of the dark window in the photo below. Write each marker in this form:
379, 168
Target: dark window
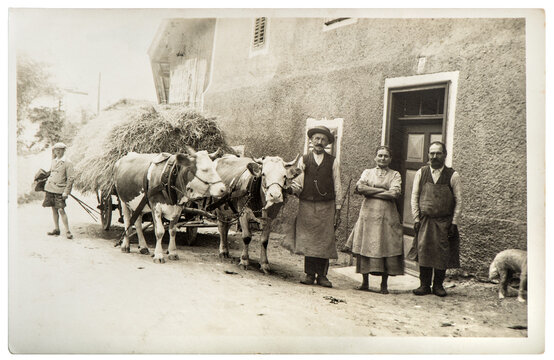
335, 20
419, 103
259, 33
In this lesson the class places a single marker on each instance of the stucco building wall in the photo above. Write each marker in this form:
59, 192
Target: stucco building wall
263, 102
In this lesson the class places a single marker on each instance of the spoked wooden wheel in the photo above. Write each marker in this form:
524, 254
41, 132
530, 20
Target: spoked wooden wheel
106, 210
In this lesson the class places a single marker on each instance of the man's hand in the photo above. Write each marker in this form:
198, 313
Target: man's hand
453, 230
337, 218
417, 225
294, 188
64, 196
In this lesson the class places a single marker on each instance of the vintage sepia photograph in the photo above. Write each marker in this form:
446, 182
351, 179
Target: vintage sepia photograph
276, 181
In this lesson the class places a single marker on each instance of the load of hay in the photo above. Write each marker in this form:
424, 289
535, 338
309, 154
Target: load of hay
126, 127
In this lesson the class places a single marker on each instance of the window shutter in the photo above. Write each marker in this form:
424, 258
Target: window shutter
259, 33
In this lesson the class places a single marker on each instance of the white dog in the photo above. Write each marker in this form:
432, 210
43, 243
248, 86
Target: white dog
505, 264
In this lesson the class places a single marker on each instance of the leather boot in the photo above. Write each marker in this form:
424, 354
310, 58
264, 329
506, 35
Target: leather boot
438, 288
323, 281
309, 279
425, 274
384, 284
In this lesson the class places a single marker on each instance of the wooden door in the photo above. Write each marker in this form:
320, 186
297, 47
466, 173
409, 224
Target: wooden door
416, 118
187, 82
414, 154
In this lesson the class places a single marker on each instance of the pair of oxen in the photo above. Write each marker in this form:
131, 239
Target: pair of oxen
197, 175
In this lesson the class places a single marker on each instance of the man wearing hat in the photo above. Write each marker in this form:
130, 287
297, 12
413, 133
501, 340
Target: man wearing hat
58, 187
320, 193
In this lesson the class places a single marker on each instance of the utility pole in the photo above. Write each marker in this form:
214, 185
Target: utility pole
98, 98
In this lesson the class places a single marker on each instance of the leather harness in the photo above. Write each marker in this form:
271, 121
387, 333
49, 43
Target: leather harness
252, 191
167, 181
227, 198
166, 185
167, 188
255, 201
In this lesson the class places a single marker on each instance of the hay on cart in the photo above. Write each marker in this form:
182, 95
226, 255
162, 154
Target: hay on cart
129, 126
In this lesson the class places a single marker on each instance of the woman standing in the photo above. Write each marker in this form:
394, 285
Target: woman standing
376, 239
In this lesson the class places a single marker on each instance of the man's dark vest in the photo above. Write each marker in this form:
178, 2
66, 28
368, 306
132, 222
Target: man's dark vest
318, 179
444, 179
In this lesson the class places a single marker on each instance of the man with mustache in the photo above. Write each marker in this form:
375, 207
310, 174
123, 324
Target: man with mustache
436, 208
320, 193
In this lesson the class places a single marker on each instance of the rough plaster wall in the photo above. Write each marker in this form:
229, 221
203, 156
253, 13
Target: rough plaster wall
325, 74
490, 145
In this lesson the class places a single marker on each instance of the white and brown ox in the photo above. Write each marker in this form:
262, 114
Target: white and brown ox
238, 174
193, 176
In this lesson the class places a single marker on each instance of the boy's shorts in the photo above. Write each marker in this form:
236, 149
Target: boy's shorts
53, 200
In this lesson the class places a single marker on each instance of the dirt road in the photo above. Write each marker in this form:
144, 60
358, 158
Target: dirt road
84, 295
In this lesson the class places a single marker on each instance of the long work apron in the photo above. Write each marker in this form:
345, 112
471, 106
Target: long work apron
434, 248
314, 229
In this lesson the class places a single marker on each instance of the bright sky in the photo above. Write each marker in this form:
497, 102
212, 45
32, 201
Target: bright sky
80, 43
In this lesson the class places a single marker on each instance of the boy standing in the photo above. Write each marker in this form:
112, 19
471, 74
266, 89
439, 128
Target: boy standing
58, 187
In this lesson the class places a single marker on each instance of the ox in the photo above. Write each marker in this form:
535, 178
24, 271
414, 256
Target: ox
251, 198
169, 182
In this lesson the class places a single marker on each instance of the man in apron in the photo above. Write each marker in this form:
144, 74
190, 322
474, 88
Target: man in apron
319, 190
436, 207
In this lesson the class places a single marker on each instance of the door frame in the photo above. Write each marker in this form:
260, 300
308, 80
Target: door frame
423, 80
420, 82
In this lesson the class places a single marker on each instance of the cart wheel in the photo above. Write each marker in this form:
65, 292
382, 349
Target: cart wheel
106, 211
190, 235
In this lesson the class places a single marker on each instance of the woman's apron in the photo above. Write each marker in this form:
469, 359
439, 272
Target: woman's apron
378, 232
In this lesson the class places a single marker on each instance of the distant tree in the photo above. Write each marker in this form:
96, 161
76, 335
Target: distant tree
51, 124
33, 81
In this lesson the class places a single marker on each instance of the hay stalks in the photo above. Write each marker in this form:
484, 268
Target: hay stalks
142, 129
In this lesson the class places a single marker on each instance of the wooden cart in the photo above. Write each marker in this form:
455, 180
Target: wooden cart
191, 218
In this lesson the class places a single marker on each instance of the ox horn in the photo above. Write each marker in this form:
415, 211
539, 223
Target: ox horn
290, 163
259, 160
190, 150
216, 154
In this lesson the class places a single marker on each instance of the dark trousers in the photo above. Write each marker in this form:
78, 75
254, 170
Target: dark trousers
426, 274
314, 265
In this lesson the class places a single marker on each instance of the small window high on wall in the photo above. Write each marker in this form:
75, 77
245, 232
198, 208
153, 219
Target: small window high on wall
260, 41
335, 20
259, 38
333, 23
